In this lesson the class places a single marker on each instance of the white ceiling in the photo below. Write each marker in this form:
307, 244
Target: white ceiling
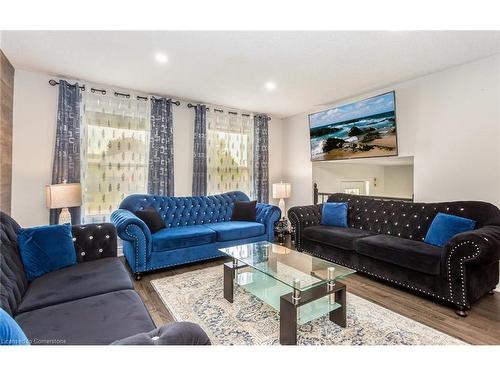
230, 68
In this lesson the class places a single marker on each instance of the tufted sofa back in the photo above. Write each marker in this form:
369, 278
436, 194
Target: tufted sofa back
182, 211
407, 219
13, 283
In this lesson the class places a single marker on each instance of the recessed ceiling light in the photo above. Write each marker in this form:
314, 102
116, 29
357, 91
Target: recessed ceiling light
270, 86
161, 58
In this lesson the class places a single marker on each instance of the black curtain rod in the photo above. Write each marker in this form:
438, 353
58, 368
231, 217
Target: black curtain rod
190, 105
53, 82
176, 102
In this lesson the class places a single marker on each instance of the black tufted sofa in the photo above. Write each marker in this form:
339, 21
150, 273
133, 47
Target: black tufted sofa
384, 239
92, 302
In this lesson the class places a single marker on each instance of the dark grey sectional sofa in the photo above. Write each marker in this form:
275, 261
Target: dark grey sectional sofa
92, 302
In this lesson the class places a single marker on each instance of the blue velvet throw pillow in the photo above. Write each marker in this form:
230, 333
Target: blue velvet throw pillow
45, 249
10, 332
445, 226
335, 214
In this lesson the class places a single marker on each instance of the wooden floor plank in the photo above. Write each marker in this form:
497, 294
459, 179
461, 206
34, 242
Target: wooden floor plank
481, 327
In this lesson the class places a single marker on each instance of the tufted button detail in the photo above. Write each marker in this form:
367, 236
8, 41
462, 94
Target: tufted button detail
82, 253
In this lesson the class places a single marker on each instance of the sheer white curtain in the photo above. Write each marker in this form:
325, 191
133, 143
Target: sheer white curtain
229, 152
115, 152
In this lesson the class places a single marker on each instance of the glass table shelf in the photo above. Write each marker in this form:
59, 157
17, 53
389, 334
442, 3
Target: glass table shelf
269, 290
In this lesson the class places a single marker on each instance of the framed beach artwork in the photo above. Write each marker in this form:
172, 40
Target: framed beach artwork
364, 129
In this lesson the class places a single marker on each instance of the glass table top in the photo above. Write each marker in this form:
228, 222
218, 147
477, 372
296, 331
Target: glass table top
295, 269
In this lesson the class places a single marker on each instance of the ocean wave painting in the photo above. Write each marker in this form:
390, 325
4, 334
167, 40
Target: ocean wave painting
363, 129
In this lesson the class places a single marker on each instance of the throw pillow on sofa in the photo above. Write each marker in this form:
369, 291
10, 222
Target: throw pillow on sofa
45, 249
244, 211
334, 214
151, 218
445, 226
10, 332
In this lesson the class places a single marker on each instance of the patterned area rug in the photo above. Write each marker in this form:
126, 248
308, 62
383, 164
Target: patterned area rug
197, 297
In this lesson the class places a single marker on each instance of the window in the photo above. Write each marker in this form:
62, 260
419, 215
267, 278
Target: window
115, 152
229, 152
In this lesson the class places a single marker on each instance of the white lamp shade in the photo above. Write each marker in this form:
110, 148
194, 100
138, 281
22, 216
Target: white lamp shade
63, 195
281, 190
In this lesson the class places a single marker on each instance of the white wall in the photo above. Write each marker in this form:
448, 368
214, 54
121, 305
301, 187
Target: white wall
398, 181
385, 180
35, 111
449, 121
328, 176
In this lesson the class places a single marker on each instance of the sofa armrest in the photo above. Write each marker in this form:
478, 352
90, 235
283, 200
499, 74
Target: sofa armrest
132, 229
94, 241
302, 217
179, 333
476, 247
268, 215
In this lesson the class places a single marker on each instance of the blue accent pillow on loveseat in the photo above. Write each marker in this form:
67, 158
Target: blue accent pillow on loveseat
445, 226
45, 249
334, 214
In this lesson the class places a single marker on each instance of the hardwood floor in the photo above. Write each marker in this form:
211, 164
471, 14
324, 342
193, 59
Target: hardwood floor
482, 326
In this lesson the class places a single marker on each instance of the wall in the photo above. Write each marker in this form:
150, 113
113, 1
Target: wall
328, 176
449, 121
35, 111
6, 106
391, 180
398, 181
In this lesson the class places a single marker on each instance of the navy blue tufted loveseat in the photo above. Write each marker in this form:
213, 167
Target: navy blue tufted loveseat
196, 227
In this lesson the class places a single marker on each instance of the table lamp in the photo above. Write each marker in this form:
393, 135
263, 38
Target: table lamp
281, 191
63, 196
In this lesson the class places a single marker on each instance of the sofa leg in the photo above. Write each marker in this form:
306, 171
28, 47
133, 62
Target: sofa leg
462, 311
137, 276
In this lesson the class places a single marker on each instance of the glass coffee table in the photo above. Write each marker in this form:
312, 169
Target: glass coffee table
300, 286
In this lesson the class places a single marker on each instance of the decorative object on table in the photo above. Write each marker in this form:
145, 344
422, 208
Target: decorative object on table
281, 229
249, 321
244, 211
64, 196
281, 191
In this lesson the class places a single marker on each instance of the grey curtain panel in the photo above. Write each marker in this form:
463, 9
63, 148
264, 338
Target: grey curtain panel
161, 148
261, 158
200, 151
66, 167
